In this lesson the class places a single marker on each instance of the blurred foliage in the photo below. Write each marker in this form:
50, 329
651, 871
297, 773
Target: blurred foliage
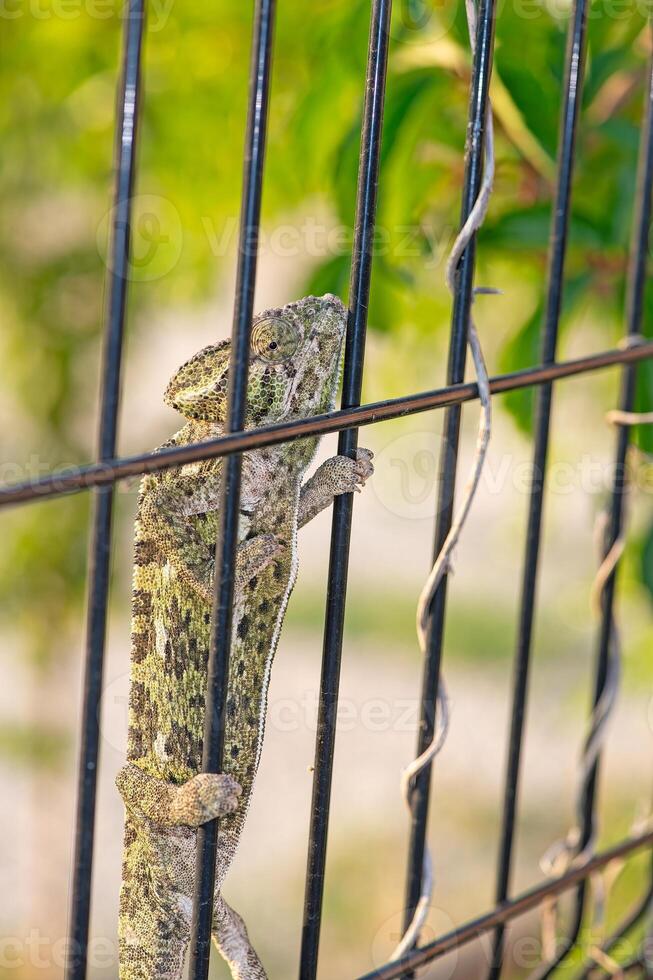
34, 746
479, 630
57, 94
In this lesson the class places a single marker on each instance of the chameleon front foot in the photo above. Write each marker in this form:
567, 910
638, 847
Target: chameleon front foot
335, 476
204, 797
340, 474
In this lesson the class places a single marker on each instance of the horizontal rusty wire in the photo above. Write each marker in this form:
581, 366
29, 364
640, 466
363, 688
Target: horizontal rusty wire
112, 470
634, 917
507, 911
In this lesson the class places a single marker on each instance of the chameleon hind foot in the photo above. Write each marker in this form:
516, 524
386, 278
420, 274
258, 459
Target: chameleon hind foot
254, 555
202, 798
230, 936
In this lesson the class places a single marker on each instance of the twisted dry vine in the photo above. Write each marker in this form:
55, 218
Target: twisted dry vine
443, 562
567, 853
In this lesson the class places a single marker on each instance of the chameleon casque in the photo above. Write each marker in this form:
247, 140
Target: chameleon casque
294, 370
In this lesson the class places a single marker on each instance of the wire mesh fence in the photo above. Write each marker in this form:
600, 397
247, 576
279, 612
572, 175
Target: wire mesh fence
101, 477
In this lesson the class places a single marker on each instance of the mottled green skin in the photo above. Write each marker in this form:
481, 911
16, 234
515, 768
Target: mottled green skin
173, 571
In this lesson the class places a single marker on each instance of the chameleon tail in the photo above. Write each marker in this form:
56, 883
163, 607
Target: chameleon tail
154, 919
230, 936
143, 956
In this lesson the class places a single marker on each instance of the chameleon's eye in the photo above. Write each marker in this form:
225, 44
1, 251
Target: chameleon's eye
274, 339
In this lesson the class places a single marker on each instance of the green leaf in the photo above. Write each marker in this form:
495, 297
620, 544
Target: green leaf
522, 351
530, 228
642, 435
331, 276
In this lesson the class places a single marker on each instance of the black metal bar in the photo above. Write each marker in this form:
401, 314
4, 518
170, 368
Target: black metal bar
464, 281
100, 543
359, 292
634, 317
574, 66
218, 667
507, 911
112, 470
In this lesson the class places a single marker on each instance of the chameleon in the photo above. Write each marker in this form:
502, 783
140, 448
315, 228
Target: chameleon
294, 370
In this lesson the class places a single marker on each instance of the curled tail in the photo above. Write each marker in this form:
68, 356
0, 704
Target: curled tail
156, 897
155, 914
230, 936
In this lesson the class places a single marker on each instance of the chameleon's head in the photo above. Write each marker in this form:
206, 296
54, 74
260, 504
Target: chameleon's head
293, 369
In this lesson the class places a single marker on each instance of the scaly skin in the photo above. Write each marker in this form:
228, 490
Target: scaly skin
294, 367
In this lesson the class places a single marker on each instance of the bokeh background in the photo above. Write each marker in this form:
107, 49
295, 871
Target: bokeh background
58, 74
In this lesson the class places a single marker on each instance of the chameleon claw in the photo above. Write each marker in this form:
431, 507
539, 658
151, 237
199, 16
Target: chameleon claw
363, 467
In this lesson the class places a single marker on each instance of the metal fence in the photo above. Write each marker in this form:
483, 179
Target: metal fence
102, 475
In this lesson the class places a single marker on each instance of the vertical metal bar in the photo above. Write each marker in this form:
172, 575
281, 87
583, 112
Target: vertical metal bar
359, 291
218, 667
637, 269
575, 60
100, 545
480, 85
